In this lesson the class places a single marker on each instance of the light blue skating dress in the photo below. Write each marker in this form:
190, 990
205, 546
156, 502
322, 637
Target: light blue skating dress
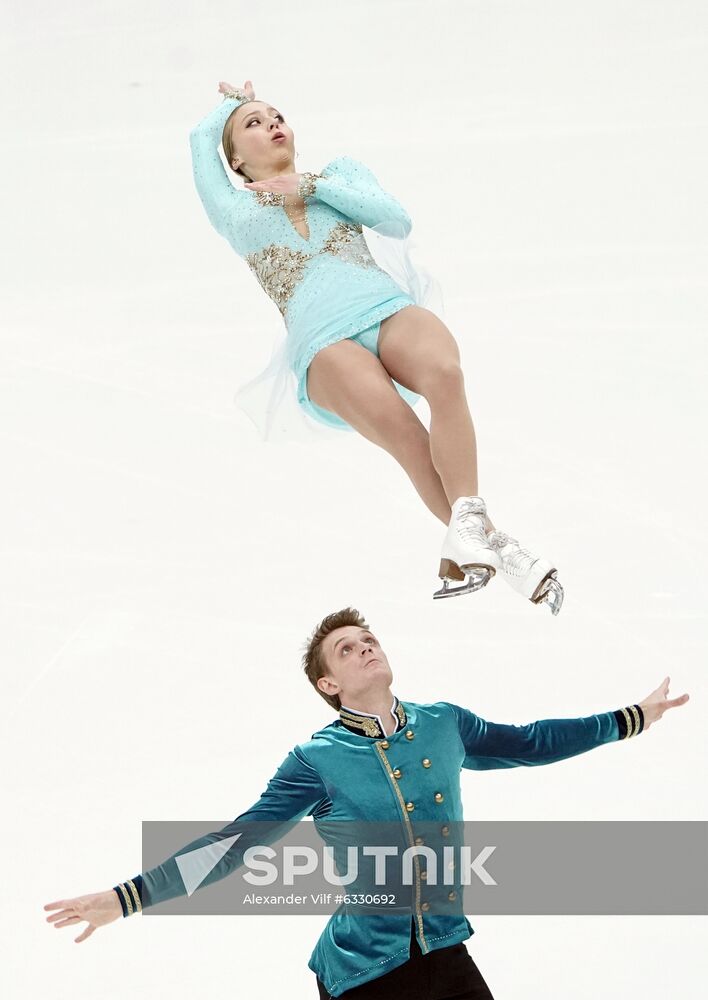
327, 287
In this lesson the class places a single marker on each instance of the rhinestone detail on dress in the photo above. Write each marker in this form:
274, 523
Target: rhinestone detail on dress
278, 268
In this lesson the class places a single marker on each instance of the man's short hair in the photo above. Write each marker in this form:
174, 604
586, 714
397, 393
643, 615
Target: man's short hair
313, 659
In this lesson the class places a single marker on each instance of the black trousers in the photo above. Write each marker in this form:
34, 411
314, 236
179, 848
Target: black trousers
437, 975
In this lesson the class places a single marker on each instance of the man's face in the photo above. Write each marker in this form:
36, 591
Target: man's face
356, 663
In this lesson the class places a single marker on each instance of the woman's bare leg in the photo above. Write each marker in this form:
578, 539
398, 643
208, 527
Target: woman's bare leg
419, 352
348, 380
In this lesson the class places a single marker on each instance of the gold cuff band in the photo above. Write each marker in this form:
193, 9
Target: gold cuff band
135, 894
126, 897
628, 720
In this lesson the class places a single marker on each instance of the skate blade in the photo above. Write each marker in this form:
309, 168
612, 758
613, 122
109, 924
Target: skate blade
477, 577
550, 593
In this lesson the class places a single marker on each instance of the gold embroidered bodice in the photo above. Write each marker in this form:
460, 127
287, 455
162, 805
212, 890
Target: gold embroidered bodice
279, 268
261, 225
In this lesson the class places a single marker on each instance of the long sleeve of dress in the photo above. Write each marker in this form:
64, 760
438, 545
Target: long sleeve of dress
218, 195
351, 188
490, 745
295, 791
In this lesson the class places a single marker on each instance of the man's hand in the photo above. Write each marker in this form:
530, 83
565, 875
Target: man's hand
98, 908
655, 704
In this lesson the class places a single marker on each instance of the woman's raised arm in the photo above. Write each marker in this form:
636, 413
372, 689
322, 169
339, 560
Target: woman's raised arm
219, 197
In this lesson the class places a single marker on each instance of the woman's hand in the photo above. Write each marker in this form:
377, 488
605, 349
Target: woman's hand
281, 183
247, 89
655, 704
98, 908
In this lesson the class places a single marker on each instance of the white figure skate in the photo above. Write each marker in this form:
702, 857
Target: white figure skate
534, 578
466, 551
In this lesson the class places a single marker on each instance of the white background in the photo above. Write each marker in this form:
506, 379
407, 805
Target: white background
162, 568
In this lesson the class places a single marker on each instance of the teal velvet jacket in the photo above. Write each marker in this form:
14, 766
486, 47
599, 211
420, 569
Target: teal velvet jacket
350, 770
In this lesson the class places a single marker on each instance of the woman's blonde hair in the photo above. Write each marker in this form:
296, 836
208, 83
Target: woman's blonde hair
228, 144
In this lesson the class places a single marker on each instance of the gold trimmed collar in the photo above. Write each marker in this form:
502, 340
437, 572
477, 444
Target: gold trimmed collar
367, 724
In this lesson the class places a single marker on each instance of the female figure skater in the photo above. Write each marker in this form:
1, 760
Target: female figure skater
361, 350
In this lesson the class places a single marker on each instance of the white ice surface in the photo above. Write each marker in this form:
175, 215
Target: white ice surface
161, 568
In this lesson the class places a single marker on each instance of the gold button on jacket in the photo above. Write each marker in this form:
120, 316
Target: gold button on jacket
340, 774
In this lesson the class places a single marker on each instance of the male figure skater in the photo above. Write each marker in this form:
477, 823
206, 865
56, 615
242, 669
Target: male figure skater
381, 760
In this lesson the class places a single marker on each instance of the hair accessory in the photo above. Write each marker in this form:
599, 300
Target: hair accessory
238, 95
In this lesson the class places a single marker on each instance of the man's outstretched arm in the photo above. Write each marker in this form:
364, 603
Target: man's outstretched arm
292, 793
295, 790
493, 745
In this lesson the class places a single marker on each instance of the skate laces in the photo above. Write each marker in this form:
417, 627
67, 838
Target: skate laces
472, 505
473, 511
500, 538
516, 560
